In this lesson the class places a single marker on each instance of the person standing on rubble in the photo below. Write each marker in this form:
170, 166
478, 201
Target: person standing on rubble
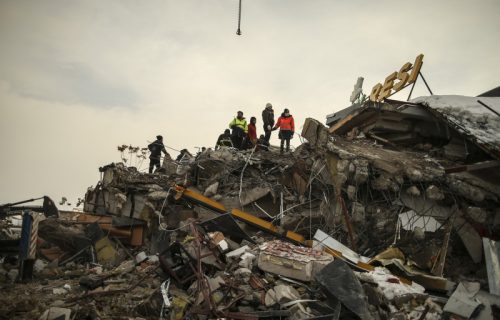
252, 133
240, 129
156, 148
184, 153
287, 129
224, 140
268, 120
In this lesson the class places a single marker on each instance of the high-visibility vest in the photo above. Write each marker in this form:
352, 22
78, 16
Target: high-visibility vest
242, 123
285, 123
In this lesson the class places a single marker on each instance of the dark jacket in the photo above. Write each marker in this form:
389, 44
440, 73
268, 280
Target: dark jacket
156, 149
268, 117
262, 144
224, 140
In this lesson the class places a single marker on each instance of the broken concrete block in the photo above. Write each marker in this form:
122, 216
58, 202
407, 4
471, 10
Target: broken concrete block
462, 301
39, 265
246, 260
351, 192
352, 168
414, 174
157, 195
466, 190
238, 252
140, 257
270, 298
361, 174
358, 212
12, 274
477, 214
281, 294
382, 183
315, 132
343, 165
215, 283
56, 313
286, 293
389, 285
291, 261
470, 238
211, 190
243, 273
58, 291
413, 191
434, 193
254, 194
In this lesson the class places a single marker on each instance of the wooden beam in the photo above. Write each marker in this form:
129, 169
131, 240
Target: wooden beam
473, 167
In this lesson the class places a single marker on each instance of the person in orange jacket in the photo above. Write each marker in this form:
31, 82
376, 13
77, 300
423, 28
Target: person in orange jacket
287, 129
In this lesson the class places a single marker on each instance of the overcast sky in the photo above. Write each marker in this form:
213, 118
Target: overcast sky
79, 78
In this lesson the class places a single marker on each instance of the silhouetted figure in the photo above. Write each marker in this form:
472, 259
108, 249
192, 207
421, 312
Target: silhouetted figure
156, 148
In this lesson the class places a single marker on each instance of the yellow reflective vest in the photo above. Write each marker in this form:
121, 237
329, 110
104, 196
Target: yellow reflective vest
239, 123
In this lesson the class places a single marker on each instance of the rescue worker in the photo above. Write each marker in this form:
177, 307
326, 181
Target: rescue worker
181, 154
224, 140
268, 120
262, 144
252, 133
287, 129
156, 148
240, 129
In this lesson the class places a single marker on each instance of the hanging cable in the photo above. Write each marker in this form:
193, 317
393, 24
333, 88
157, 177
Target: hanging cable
238, 32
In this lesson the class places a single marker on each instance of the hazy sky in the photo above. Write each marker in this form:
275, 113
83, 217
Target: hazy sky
79, 78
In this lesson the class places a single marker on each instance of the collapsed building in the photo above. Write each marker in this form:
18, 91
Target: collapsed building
391, 211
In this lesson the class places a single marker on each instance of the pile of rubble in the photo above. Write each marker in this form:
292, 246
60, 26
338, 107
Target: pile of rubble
358, 224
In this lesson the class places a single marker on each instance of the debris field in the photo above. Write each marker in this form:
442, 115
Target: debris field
390, 212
